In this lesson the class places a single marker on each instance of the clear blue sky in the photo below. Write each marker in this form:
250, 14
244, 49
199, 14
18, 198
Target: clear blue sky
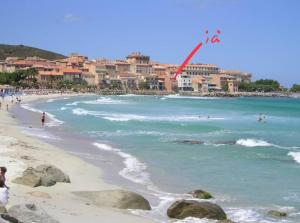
258, 36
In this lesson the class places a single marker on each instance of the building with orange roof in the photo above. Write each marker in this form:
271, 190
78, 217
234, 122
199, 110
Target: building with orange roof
71, 74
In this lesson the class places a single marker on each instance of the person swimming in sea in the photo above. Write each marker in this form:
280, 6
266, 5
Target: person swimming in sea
43, 118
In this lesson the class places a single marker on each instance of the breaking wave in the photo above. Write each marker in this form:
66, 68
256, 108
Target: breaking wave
261, 143
121, 117
134, 169
100, 101
295, 155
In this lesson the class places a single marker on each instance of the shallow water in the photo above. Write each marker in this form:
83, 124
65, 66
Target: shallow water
249, 166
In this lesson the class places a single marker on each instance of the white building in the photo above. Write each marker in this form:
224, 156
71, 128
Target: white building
184, 82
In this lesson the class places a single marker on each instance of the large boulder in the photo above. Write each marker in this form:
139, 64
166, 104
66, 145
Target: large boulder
43, 175
5, 218
116, 199
277, 214
187, 208
28, 213
200, 194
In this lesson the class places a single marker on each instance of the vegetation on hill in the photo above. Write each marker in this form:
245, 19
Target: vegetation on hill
26, 51
295, 88
20, 78
262, 85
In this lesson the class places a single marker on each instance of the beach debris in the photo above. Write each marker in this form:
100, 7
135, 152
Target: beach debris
277, 214
200, 194
188, 208
43, 175
28, 213
192, 142
121, 199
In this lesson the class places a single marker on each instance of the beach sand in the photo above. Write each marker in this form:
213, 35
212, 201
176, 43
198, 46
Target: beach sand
19, 151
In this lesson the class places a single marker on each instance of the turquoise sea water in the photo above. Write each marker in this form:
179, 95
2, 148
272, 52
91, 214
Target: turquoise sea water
249, 166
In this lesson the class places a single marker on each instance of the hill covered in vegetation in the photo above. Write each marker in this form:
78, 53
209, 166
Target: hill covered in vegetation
26, 51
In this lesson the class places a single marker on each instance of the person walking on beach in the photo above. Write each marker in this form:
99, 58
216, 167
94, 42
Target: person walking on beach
3, 193
43, 118
6, 107
3, 171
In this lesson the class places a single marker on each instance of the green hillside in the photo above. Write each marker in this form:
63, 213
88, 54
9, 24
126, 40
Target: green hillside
26, 51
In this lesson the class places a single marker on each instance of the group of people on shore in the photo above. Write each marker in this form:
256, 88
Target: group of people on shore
3, 187
4, 101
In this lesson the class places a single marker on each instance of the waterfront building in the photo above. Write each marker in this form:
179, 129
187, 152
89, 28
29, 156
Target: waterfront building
201, 69
73, 75
200, 83
233, 86
238, 75
139, 63
221, 81
122, 66
184, 82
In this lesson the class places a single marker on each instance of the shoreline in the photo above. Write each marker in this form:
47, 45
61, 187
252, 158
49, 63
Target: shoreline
21, 151
107, 151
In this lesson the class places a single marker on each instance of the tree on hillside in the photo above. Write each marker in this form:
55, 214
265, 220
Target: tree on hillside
295, 88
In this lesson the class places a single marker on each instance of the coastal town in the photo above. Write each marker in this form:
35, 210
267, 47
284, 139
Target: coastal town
135, 72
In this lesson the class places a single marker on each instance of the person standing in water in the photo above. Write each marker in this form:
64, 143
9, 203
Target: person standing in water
43, 118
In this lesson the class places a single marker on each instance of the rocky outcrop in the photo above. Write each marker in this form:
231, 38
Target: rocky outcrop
116, 199
185, 208
28, 213
192, 142
232, 142
43, 175
277, 214
200, 194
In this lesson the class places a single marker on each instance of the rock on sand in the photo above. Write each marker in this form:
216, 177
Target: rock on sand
43, 175
116, 199
187, 208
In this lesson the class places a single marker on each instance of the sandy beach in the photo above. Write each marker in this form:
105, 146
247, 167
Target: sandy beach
19, 151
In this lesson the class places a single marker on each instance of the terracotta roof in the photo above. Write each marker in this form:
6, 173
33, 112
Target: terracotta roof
70, 70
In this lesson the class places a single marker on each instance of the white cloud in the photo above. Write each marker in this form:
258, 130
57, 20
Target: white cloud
71, 18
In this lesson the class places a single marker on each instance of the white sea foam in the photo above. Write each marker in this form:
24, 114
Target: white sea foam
73, 103
252, 142
134, 169
50, 100
261, 143
121, 117
295, 155
53, 120
100, 101
245, 215
55, 99
63, 108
